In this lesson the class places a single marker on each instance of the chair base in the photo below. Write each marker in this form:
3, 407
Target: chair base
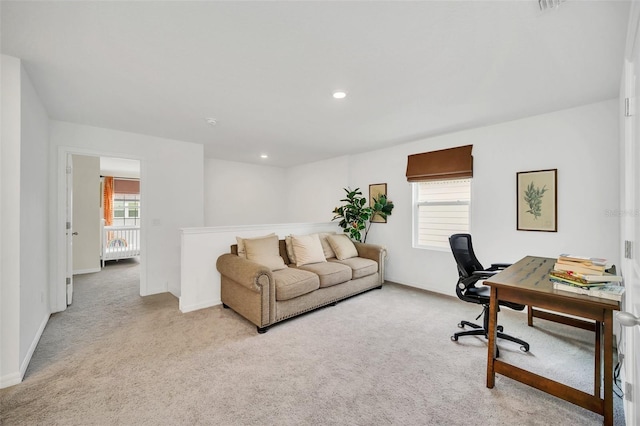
478, 330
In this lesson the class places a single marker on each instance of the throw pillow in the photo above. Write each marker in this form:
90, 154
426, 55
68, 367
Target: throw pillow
240, 240
326, 247
289, 246
265, 251
307, 249
342, 246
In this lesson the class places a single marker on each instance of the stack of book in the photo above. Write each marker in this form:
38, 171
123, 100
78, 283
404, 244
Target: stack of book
585, 275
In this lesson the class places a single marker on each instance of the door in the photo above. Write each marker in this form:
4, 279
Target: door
69, 229
630, 216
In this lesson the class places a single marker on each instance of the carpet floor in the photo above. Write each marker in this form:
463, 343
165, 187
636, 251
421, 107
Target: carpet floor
381, 358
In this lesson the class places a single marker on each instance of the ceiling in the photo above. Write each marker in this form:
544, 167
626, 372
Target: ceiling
266, 70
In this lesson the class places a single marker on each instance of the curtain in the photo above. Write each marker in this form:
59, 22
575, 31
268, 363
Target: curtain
108, 200
126, 186
452, 163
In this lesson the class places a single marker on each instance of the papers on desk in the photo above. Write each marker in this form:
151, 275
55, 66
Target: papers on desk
608, 291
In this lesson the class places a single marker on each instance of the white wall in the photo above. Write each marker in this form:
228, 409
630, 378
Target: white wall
24, 263
581, 143
315, 189
171, 193
10, 224
86, 214
239, 193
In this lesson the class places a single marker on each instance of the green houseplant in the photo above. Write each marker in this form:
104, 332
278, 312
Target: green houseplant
355, 216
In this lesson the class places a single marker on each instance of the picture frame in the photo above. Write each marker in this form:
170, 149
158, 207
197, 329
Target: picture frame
375, 190
537, 200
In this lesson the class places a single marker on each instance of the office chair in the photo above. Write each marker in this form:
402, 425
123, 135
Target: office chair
470, 271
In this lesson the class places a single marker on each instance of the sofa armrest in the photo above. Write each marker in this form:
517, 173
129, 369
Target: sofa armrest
245, 272
373, 252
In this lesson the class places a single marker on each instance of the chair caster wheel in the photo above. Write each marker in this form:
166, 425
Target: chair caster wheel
460, 325
500, 328
454, 338
524, 348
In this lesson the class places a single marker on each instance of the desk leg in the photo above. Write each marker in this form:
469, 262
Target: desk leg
598, 360
608, 367
530, 315
491, 346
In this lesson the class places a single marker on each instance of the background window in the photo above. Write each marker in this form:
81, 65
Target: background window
441, 208
126, 209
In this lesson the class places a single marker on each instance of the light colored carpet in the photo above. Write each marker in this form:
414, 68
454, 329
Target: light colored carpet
380, 358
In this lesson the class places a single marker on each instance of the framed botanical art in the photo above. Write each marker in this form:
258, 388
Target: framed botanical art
375, 191
537, 200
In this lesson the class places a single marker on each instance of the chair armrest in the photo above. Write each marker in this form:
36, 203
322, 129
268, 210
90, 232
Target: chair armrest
498, 266
480, 275
245, 272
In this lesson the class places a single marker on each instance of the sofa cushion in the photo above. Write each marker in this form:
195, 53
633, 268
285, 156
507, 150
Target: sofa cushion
293, 282
241, 250
360, 266
307, 249
342, 246
330, 273
265, 251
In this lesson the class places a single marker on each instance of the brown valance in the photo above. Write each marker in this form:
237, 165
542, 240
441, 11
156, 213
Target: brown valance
126, 186
452, 163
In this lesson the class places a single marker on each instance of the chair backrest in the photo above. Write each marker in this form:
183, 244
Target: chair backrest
462, 250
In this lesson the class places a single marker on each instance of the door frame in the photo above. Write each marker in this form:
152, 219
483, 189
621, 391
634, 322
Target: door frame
58, 286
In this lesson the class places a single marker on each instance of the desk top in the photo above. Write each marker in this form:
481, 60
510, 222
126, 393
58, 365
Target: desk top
531, 274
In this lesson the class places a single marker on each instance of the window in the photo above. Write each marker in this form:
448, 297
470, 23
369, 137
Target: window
440, 208
126, 209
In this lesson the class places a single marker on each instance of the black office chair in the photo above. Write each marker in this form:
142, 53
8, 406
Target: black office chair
470, 272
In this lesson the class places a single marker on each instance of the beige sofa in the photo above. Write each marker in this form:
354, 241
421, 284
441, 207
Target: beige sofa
266, 295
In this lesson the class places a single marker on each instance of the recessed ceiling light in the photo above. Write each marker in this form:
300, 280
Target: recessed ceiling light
264, 156
339, 95
211, 121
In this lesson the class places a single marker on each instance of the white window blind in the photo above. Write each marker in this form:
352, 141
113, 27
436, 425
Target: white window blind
441, 208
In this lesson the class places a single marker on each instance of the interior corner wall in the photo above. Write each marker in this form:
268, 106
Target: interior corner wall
34, 218
171, 192
582, 143
10, 223
243, 194
24, 307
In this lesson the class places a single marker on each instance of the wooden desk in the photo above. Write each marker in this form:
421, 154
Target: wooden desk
527, 282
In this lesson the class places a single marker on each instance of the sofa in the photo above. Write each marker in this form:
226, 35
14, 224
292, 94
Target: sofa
268, 280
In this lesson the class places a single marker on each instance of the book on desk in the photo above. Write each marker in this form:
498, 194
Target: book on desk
584, 275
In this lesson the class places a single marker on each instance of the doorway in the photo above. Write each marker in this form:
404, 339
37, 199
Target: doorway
87, 223
104, 224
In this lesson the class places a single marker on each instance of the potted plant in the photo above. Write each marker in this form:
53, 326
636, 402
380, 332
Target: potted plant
355, 216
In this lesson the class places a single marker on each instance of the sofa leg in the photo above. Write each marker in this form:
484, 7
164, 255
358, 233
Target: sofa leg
333, 304
262, 330
379, 287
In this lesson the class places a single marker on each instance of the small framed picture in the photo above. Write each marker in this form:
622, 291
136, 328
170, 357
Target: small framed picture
537, 200
375, 191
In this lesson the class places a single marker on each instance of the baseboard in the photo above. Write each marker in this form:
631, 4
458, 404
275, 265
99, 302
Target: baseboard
201, 305
34, 344
16, 378
10, 380
86, 271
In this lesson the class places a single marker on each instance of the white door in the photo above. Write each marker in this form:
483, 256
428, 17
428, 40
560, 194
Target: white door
69, 230
630, 216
